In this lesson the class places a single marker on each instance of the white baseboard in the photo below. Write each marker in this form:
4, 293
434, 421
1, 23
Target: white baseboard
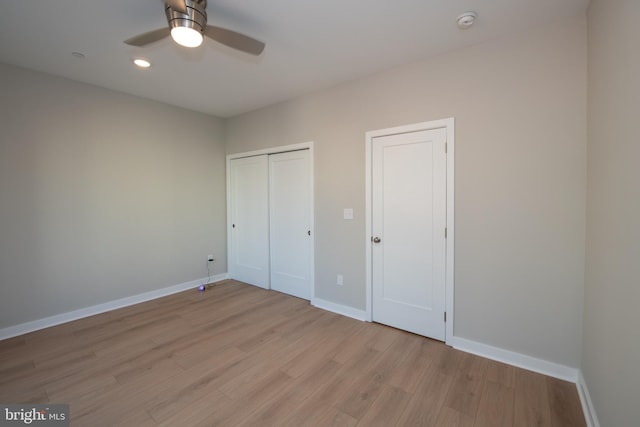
587, 405
516, 359
339, 309
58, 319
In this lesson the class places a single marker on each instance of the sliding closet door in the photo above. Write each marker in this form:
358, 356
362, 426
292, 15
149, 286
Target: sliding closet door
249, 199
290, 218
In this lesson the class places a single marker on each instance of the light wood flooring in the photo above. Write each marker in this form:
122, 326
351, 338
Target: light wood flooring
237, 355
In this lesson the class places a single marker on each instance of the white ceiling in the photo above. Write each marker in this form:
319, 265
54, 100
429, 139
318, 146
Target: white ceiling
311, 44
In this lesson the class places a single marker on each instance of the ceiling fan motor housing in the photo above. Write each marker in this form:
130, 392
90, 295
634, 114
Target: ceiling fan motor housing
196, 16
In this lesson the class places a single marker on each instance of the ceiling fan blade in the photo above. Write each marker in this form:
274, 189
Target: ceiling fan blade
235, 40
148, 38
177, 5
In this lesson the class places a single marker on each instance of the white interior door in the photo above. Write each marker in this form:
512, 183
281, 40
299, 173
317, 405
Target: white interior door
249, 197
408, 231
290, 217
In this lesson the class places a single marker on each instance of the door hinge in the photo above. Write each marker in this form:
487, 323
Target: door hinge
445, 232
446, 146
445, 317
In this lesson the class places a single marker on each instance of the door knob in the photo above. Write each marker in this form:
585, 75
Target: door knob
375, 240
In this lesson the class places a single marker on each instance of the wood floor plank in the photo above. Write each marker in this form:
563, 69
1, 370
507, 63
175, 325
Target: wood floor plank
332, 391
382, 338
156, 395
207, 354
391, 360
40, 346
496, 406
251, 368
386, 409
449, 417
139, 419
501, 373
254, 380
362, 361
294, 330
12, 343
293, 396
199, 412
179, 397
428, 399
447, 360
20, 393
357, 341
565, 407
312, 356
318, 415
124, 349
84, 384
13, 372
262, 335
155, 370
531, 400
261, 393
119, 401
238, 355
177, 392
411, 370
464, 394
360, 396
59, 361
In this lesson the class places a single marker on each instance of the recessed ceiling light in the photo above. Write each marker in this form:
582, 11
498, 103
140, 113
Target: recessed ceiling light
466, 20
77, 55
142, 63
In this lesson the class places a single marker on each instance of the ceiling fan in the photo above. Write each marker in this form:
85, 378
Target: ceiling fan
188, 24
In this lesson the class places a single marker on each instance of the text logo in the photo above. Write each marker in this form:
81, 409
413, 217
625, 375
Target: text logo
34, 415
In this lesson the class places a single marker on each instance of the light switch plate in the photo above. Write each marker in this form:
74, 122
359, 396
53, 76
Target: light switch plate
348, 213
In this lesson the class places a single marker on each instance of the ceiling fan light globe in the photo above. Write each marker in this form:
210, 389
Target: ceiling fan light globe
187, 36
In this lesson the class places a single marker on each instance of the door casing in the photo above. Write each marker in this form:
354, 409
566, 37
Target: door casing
449, 125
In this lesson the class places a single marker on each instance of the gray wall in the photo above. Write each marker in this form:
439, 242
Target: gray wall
611, 343
102, 195
520, 109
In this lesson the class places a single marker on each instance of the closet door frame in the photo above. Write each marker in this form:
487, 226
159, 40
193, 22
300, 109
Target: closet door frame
276, 150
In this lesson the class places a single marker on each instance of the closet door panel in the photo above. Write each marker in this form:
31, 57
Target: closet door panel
290, 223
249, 198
